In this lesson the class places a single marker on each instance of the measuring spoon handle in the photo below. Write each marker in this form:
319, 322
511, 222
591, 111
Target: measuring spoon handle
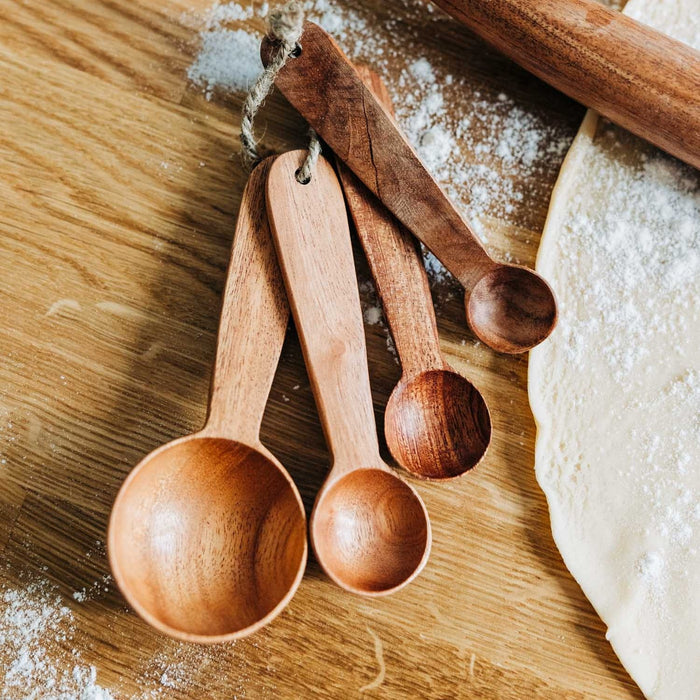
327, 91
253, 322
311, 233
396, 264
399, 276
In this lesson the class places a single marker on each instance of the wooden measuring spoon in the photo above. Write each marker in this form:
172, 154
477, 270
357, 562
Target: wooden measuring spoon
207, 537
369, 529
436, 423
510, 308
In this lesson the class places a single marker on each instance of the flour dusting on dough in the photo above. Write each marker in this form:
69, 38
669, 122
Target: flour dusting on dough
616, 390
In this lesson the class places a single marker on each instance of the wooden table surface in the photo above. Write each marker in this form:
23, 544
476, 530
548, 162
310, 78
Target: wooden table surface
119, 187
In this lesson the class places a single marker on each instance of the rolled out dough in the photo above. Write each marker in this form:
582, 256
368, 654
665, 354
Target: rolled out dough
616, 390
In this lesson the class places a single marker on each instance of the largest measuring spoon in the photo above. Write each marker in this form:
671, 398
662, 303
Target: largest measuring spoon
207, 537
510, 308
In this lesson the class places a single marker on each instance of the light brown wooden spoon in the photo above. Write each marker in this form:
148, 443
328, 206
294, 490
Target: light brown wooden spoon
369, 529
436, 423
207, 537
510, 308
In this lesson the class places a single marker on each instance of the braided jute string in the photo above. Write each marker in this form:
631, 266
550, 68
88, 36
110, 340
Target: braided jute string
285, 26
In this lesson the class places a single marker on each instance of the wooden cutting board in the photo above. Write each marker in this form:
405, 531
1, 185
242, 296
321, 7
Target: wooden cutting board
119, 188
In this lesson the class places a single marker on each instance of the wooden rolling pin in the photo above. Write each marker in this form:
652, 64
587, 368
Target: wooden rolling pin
637, 77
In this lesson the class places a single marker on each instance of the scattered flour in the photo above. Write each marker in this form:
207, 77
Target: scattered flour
481, 146
40, 651
32, 620
222, 13
422, 70
374, 315
173, 671
94, 590
222, 48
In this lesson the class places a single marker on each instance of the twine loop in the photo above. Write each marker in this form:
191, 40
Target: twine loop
285, 26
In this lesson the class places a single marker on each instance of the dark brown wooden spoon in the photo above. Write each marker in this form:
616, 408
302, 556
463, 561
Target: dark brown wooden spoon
207, 536
437, 425
510, 308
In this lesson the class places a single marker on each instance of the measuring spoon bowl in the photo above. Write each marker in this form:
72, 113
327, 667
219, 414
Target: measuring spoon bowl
370, 531
207, 538
437, 424
511, 309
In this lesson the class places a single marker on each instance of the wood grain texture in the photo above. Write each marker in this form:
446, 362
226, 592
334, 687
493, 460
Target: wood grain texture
254, 317
325, 88
510, 308
312, 238
207, 536
395, 262
637, 77
436, 423
369, 529
113, 270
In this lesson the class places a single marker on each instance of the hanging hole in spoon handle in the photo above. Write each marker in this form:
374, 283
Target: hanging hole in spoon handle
207, 536
369, 529
324, 87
